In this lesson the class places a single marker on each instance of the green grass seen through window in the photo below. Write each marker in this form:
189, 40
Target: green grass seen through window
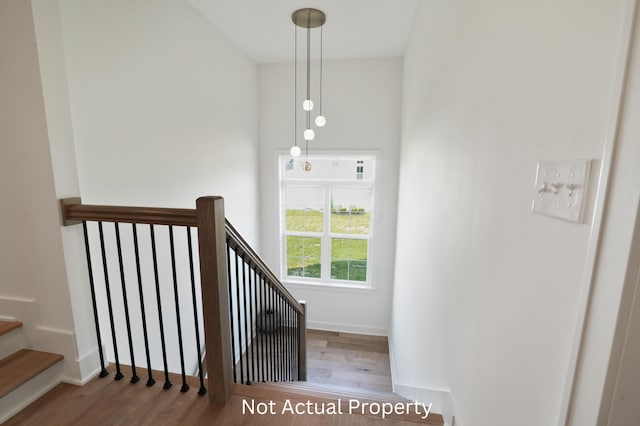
348, 256
341, 222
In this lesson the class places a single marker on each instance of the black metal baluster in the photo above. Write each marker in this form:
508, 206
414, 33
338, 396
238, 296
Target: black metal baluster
296, 342
270, 345
284, 339
256, 300
294, 332
103, 371
294, 363
167, 382
252, 338
289, 345
290, 338
184, 386
293, 343
119, 374
239, 318
275, 334
150, 380
301, 354
245, 314
233, 333
265, 335
296, 345
196, 323
276, 330
134, 375
281, 335
289, 352
272, 377
282, 348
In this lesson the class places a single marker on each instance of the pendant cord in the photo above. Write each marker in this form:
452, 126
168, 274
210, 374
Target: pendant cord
295, 85
320, 106
309, 73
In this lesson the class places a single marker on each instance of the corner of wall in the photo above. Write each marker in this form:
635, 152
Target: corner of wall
442, 400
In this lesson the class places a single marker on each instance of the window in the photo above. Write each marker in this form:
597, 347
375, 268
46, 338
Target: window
327, 219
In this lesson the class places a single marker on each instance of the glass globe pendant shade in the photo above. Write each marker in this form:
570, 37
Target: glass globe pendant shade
321, 121
307, 105
309, 134
295, 151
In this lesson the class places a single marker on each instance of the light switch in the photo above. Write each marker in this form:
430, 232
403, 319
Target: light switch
561, 188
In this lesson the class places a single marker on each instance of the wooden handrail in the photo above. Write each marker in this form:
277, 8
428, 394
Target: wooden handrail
74, 211
235, 241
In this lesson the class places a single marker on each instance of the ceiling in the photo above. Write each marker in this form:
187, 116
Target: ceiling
354, 28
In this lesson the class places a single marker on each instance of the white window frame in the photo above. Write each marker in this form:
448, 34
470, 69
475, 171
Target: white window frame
326, 235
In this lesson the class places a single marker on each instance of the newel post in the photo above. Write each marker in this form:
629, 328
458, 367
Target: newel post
302, 346
215, 297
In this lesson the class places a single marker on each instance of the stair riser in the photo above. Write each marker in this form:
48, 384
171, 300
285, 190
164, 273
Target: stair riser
11, 342
30, 391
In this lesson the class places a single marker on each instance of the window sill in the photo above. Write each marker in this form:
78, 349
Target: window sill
324, 286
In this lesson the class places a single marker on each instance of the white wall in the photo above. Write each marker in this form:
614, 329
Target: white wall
164, 110
486, 293
55, 89
33, 284
361, 101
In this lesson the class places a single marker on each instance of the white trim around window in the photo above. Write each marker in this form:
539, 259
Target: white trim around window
328, 271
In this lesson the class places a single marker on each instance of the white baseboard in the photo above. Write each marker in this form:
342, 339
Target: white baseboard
89, 365
347, 328
442, 400
41, 337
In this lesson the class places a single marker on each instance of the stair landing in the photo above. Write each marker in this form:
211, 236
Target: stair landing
23, 365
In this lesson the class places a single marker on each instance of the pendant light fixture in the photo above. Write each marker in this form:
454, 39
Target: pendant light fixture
308, 19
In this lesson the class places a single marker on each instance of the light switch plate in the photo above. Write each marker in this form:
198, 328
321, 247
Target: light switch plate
561, 188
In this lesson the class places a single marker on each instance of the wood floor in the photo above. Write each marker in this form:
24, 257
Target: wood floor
334, 359
349, 360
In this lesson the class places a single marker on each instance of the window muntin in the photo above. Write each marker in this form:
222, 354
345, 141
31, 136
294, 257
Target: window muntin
304, 257
327, 219
349, 259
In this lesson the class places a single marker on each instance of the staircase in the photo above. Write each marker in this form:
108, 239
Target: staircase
255, 333
25, 374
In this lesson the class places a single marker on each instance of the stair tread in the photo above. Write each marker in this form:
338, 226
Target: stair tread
7, 326
296, 392
21, 366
